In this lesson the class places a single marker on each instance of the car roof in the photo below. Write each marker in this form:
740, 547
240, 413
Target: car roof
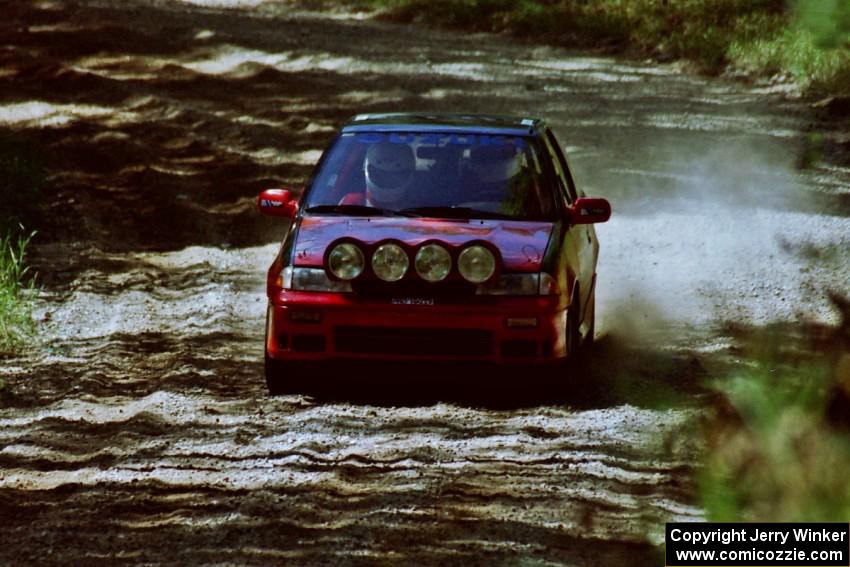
445, 122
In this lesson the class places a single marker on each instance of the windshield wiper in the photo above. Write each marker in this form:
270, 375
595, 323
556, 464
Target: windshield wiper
354, 210
453, 213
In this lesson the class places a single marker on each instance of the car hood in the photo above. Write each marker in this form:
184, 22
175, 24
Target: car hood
521, 243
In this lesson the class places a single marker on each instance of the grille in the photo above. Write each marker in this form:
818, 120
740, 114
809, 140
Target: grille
413, 341
452, 291
308, 343
519, 348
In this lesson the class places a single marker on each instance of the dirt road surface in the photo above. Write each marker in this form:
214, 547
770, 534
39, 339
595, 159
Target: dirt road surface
138, 429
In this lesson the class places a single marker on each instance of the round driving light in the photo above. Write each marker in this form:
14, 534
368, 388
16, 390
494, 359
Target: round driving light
476, 264
433, 263
346, 261
390, 262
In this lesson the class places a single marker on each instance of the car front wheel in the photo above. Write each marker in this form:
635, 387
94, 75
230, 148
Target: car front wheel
591, 315
296, 377
573, 333
277, 376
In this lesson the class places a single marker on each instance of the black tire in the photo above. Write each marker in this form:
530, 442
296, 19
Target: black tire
274, 369
573, 333
565, 367
562, 380
591, 313
282, 377
276, 377
294, 377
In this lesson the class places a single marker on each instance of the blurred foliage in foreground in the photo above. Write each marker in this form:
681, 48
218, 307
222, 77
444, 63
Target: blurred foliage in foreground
808, 40
779, 438
22, 176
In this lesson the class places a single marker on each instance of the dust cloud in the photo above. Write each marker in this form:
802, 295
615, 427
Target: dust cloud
704, 240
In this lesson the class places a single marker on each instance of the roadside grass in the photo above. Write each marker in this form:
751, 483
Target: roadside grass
16, 292
794, 52
22, 176
806, 40
778, 442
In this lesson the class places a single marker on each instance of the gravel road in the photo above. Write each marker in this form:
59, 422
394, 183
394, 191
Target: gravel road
139, 430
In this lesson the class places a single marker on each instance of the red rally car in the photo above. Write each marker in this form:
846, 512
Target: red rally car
433, 237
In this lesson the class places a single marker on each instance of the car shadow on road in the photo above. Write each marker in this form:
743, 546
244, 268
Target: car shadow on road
612, 372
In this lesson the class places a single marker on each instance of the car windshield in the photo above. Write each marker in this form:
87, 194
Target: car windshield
431, 174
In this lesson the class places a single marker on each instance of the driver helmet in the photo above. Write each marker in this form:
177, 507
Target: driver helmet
389, 170
495, 164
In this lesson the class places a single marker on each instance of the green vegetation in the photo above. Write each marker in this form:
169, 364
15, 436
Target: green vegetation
808, 40
16, 323
22, 175
775, 451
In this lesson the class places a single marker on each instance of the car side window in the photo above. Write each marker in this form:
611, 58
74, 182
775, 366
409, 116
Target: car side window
561, 166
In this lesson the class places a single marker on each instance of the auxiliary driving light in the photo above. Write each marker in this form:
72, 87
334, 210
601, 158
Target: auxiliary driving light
433, 263
476, 264
390, 262
346, 261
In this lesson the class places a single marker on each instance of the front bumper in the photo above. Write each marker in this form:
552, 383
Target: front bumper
308, 326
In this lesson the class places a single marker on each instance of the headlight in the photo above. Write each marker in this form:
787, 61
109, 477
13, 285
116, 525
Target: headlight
476, 264
346, 261
520, 284
312, 279
511, 284
390, 262
548, 284
433, 263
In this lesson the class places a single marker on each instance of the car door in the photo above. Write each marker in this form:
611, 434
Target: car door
579, 239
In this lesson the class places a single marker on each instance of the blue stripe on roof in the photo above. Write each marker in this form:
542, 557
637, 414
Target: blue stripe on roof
438, 129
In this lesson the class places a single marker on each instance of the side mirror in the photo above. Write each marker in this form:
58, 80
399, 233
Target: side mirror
277, 203
589, 210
